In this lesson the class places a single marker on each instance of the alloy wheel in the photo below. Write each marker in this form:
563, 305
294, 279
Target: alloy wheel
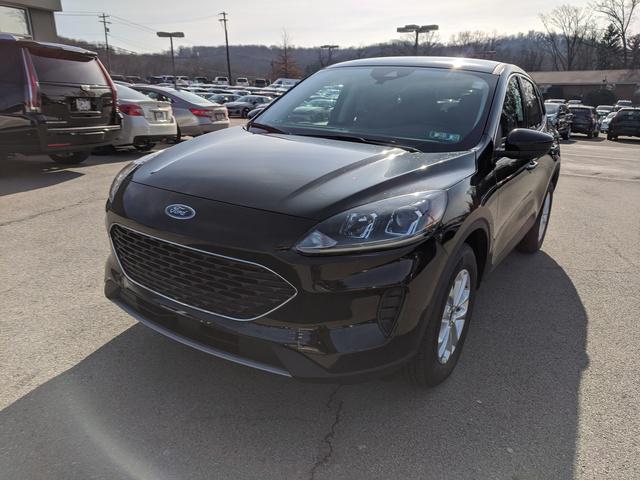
454, 316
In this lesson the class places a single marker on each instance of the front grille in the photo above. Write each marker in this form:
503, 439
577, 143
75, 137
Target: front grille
211, 283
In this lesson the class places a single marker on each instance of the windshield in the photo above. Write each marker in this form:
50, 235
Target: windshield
428, 109
551, 108
581, 112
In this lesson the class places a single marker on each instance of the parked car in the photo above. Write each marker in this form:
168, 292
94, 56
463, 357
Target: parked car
55, 99
194, 114
560, 117
201, 80
574, 102
221, 98
584, 120
623, 103
343, 250
221, 81
256, 111
604, 124
603, 110
145, 121
242, 106
260, 82
155, 79
555, 100
242, 82
285, 83
135, 79
626, 123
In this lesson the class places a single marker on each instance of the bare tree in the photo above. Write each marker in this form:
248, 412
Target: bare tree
285, 65
567, 28
620, 14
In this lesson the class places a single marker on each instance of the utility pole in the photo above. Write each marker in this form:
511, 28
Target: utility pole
103, 20
224, 21
417, 29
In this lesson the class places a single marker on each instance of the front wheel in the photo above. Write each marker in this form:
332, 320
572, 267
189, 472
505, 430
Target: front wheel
532, 241
448, 324
245, 113
69, 158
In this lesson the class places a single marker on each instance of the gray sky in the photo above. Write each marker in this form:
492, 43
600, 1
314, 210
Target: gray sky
308, 23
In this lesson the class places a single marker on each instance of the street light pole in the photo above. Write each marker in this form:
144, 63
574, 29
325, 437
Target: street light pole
224, 21
417, 29
171, 36
330, 49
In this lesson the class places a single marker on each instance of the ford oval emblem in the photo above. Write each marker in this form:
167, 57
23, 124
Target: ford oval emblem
180, 212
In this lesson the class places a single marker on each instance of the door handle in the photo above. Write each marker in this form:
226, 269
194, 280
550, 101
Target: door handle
531, 165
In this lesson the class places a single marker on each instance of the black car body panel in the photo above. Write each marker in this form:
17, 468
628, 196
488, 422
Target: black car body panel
75, 110
255, 194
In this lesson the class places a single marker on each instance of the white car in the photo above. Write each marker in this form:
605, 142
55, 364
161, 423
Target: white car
604, 124
145, 121
221, 81
242, 82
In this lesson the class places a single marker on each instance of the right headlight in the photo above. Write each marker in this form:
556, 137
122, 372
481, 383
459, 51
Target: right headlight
383, 224
126, 171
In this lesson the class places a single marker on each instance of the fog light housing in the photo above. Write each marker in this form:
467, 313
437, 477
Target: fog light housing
389, 309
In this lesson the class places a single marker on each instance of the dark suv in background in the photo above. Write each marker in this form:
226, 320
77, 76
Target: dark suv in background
54, 99
625, 123
584, 120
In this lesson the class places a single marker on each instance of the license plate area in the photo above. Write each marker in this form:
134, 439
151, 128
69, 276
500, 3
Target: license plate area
83, 104
220, 116
160, 116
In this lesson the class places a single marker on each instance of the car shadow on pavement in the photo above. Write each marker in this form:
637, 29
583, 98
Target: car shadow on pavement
21, 174
144, 407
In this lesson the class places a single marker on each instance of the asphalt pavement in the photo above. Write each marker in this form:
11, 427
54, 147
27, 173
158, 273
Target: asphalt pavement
547, 387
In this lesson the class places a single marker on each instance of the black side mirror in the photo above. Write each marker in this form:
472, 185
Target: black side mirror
526, 144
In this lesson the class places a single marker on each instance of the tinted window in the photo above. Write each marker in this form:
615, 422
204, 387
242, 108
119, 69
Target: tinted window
12, 83
626, 115
191, 97
59, 70
429, 109
531, 104
581, 112
512, 111
126, 93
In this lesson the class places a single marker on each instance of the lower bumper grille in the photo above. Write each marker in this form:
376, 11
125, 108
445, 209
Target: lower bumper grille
212, 283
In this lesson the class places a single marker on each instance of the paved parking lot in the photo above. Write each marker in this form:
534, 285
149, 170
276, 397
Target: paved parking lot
547, 388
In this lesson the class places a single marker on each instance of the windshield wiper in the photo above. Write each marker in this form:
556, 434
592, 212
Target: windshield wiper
268, 128
354, 138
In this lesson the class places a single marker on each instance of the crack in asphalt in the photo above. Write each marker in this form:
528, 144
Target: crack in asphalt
324, 459
86, 201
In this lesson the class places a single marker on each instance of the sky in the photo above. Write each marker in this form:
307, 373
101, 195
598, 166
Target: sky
308, 23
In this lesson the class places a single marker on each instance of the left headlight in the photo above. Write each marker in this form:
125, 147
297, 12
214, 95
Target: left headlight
383, 224
126, 171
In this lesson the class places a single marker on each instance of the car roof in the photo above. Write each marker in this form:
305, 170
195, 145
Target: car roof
458, 63
27, 42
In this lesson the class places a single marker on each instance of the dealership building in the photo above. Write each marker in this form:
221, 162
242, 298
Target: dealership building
625, 84
30, 18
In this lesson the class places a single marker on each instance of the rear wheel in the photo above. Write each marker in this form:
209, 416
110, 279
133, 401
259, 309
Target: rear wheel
245, 112
532, 241
448, 324
567, 134
69, 158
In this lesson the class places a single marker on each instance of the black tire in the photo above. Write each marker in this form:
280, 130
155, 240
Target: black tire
245, 112
611, 137
596, 134
145, 147
425, 369
69, 158
566, 134
533, 240
590, 135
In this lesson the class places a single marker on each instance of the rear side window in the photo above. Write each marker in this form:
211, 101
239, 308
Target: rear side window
60, 70
512, 110
531, 104
12, 68
12, 84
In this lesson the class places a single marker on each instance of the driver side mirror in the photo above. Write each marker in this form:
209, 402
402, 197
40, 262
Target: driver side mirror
526, 144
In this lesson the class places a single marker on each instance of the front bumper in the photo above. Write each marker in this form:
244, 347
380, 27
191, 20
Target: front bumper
331, 331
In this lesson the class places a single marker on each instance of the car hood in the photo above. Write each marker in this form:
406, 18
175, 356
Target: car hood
296, 175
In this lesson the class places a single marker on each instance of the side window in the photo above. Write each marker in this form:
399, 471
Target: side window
512, 111
531, 104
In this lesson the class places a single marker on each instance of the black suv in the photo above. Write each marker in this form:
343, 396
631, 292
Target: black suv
626, 123
558, 116
54, 99
585, 120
